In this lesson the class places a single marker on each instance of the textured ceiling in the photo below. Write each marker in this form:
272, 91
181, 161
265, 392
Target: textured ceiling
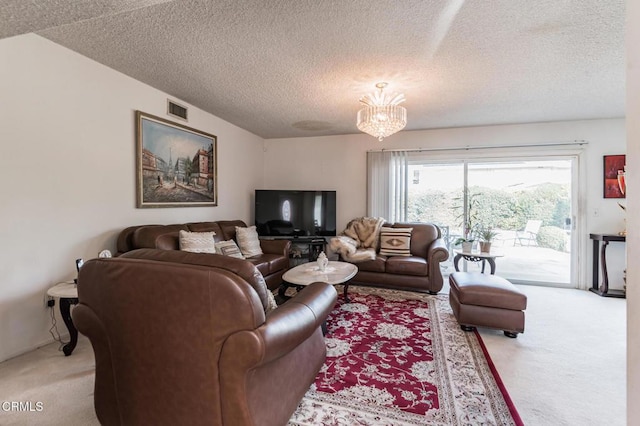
285, 68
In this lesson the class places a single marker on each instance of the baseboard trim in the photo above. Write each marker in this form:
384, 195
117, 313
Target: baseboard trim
35, 347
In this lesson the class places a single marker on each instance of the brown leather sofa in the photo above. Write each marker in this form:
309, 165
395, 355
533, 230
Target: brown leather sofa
183, 338
420, 271
272, 264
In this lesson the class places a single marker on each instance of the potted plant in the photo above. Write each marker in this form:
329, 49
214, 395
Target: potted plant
468, 216
468, 239
486, 235
466, 242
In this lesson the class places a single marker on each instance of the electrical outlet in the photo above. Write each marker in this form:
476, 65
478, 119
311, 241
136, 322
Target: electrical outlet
48, 301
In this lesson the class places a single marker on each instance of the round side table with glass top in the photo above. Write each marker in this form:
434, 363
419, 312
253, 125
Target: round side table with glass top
476, 257
67, 292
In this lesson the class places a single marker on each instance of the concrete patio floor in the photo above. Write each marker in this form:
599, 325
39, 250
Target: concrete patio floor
525, 264
522, 264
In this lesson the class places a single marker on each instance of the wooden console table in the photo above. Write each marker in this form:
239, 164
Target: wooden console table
603, 289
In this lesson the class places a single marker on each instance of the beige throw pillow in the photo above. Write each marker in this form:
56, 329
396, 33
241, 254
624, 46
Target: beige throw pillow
197, 242
229, 248
248, 241
395, 241
271, 302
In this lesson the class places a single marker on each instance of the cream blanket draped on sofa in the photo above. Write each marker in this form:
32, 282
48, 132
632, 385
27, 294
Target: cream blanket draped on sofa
359, 240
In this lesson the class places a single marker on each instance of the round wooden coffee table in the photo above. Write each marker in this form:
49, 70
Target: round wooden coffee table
335, 273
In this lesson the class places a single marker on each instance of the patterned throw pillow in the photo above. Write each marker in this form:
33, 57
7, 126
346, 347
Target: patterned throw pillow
395, 241
248, 241
271, 302
229, 248
197, 242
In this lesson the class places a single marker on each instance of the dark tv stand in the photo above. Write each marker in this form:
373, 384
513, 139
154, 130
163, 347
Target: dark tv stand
313, 246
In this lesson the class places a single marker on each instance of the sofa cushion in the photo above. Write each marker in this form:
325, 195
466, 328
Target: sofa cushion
395, 241
376, 265
207, 227
229, 228
411, 265
268, 263
197, 242
248, 241
276, 262
147, 236
229, 248
170, 241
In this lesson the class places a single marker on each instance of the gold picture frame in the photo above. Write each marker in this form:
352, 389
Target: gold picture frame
176, 165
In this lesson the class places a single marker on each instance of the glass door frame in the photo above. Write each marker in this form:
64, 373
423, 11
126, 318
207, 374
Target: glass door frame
572, 152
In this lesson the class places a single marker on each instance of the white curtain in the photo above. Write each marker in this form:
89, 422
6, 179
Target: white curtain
387, 185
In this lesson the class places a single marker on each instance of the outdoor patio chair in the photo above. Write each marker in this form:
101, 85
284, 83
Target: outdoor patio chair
529, 234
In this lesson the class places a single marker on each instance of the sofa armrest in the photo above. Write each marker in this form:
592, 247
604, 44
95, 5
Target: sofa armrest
88, 323
436, 253
319, 297
297, 319
276, 247
285, 327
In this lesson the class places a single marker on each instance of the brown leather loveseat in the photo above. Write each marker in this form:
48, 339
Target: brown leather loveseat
272, 264
420, 271
183, 338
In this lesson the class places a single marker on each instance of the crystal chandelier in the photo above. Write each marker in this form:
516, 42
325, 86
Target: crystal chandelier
382, 115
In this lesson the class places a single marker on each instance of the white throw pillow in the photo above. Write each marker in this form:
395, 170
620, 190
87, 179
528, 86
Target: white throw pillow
395, 241
197, 242
271, 302
229, 248
248, 241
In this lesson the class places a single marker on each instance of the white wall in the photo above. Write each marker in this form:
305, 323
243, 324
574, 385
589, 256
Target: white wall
339, 162
321, 163
67, 167
633, 236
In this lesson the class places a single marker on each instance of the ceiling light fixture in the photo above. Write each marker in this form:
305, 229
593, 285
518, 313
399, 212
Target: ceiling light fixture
382, 114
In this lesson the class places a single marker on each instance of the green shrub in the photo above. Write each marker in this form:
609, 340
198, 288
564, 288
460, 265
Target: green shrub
552, 237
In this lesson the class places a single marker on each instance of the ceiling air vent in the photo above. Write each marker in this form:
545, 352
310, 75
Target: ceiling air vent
176, 110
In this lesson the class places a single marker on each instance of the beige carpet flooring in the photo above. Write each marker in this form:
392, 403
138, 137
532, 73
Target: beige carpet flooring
568, 368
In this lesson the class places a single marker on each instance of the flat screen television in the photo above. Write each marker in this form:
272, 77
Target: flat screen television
284, 213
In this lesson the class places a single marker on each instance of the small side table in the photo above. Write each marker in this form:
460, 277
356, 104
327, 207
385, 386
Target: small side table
476, 257
67, 292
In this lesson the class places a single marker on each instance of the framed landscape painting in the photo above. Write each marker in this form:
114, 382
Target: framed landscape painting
613, 167
175, 164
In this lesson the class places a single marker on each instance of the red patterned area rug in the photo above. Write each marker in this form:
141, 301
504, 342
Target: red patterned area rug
400, 358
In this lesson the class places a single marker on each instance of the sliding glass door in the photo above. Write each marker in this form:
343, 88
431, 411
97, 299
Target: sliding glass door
527, 204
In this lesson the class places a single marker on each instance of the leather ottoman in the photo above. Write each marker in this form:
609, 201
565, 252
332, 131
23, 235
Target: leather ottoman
480, 300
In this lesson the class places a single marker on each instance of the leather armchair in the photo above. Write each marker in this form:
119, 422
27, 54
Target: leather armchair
183, 338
